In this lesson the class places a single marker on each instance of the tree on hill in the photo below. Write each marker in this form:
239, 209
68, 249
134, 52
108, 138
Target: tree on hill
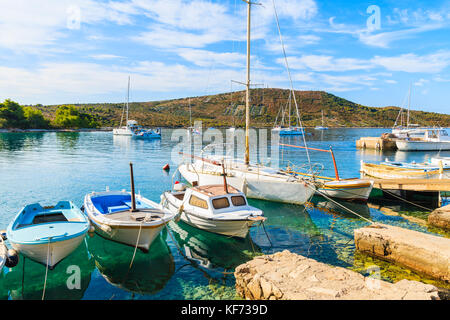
35, 118
70, 117
12, 115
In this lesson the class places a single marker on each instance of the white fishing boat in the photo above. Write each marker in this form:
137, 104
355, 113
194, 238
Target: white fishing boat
255, 181
132, 129
48, 234
214, 208
436, 139
322, 127
126, 217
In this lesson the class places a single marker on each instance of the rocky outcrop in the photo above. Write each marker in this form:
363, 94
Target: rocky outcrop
425, 253
440, 217
289, 276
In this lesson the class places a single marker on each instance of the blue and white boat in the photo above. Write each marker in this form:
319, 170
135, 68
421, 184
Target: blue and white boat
289, 131
113, 218
48, 234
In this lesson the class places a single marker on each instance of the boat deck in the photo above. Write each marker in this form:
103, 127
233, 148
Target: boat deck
126, 216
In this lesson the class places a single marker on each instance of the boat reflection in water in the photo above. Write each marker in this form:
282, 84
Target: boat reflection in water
210, 251
341, 208
149, 272
68, 280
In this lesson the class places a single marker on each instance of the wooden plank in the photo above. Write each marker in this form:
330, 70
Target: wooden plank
412, 184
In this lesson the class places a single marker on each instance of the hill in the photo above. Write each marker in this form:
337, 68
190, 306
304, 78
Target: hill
227, 109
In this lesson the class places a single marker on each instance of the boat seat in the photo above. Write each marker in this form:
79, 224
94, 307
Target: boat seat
118, 208
53, 217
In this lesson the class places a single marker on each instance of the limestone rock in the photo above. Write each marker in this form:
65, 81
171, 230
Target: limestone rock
297, 277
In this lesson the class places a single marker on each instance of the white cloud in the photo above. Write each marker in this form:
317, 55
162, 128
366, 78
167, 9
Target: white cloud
421, 82
390, 81
410, 62
326, 63
105, 56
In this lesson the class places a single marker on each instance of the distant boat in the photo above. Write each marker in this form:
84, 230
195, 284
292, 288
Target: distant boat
432, 140
132, 128
288, 130
322, 127
214, 208
48, 234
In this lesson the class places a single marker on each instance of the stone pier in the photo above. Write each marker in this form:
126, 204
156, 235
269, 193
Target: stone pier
289, 276
425, 253
440, 218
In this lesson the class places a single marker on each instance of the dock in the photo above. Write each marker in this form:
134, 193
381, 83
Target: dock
421, 185
377, 143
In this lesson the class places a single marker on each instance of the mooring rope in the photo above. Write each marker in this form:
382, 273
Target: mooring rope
46, 268
403, 199
340, 205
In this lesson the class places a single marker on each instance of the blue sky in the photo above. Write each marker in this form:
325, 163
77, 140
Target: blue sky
79, 51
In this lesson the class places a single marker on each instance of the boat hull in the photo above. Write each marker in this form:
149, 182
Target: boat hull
254, 185
355, 190
49, 253
381, 171
404, 145
129, 235
231, 228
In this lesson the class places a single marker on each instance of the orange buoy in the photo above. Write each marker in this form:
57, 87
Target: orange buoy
166, 167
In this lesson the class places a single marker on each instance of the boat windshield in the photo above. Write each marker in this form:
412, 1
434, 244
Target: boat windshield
238, 201
197, 202
220, 203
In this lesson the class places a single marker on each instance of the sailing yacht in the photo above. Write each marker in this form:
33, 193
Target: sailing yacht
289, 130
132, 129
322, 127
255, 181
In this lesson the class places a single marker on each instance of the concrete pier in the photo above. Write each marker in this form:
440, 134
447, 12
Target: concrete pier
376, 143
289, 276
440, 218
425, 253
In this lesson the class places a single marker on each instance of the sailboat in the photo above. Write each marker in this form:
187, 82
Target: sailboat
255, 181
322, 127
191, 129
289, 130
132, 128
408, 129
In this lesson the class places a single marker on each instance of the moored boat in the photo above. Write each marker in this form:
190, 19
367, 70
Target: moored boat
214, 208
402, 170
112, 215
48, 234
432, 140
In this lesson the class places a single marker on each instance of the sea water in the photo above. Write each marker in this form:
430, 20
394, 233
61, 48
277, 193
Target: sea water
183, 262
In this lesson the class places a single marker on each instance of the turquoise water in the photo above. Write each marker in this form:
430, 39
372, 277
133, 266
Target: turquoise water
183, 262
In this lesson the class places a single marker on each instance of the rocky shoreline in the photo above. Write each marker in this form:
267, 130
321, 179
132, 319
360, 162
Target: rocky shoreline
289, 276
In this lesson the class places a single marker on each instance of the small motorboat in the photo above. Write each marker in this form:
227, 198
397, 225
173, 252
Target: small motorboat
214, 208
48, 234
112, 215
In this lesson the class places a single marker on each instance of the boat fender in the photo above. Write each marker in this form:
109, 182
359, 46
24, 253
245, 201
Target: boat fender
12, 258
106, 229
3, 234
91, 229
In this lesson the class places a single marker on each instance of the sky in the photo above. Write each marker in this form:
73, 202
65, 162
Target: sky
82, 51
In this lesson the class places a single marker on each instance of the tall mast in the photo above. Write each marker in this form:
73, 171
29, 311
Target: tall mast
409, 104
247, 84
190, 113
128, 96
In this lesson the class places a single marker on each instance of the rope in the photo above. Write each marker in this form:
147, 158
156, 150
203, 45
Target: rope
340, 205
418, 205
46, 269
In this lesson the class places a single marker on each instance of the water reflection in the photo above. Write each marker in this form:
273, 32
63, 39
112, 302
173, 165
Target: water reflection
26, 280
149, 272
16, 141
211, 251
67, 140
341, 208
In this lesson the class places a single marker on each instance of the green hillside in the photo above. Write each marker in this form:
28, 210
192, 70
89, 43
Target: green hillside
229, 108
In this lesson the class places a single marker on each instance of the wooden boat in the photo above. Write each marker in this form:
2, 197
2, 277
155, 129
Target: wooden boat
214, 208
402, 170
48, 234
353, 189
112, 216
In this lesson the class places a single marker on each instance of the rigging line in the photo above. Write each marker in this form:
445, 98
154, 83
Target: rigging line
340, 205
403, 199
290, 80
